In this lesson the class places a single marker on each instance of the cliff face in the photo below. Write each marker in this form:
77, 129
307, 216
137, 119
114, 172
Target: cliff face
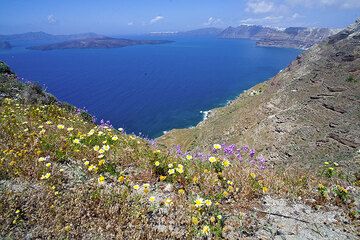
294, 37
307, 114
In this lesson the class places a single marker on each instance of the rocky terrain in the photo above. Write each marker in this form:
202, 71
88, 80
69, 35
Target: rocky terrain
103, 42
211, 31
306, 114
42, 36
292, 37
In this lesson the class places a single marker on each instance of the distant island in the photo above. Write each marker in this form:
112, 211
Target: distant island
101, 42
5, 45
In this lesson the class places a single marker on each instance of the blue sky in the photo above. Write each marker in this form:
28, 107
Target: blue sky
142, 16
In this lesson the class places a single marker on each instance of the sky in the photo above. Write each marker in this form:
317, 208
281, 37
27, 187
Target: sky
144, 16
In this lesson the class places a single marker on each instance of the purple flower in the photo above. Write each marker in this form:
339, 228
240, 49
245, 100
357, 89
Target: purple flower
245, 148
252, 153
229, 150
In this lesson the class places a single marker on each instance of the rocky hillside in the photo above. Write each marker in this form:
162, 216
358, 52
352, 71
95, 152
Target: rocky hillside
307, 114
292, 37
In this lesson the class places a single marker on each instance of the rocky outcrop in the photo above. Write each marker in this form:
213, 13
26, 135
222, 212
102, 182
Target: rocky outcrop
307, 114
292, 37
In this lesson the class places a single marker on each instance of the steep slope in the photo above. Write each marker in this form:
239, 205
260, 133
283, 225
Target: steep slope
307, 114
292, 37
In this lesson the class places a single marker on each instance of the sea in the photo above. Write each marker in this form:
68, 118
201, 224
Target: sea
150, 89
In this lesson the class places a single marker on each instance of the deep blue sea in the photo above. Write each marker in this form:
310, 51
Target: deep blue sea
151, 88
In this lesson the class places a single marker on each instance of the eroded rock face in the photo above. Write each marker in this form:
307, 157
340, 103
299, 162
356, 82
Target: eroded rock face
307, 114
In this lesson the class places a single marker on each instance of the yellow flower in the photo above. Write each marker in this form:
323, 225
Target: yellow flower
208, 202
195, 180
86, 163
151, 199
91, 132
212, 159
225, 193
195, 220
100, 156
70, 129
41, 159
157, 163
114, 138
181, 191
48, 164
77, 141
146, 185
253, 175
189, 157
61, 170
101, 151
136, 187
162, 178
121, 179
336, 164
265, 189
226, 163
206, 230
60, 126
100, 133
168, 202
91, 167
101, 162
48, 122
219, 217
199, 202
45, 176
230, 182
96, 148
212, 219
157, 151
101, 179
106, 147
217, 146
180, 169
171, 171
170, 165
17, 211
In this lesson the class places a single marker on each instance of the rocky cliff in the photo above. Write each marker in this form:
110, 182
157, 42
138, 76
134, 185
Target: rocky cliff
293, 37
306, 114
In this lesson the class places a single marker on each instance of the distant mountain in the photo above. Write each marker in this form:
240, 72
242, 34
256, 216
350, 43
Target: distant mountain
31, 36
293, 37
5, 45
211, 31
103, 42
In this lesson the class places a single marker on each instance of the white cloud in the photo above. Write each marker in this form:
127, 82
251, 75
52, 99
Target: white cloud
345, 4
156, 19
130, 23
259, 6
213, 21
51, 19
269, 20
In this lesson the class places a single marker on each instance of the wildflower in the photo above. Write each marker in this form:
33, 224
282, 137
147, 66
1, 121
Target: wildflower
170, 165
225, 193
171, 171
120, 129
208, 202
219, 217
326, 163
136, 187
180, 168
181, 191
230, 182
17, 211
48, 122
91, 132
189, 157
86, 163
253, 175
91, 167
195, 180
212, 219
336, 164
100, 133
217, 146
162, 178
157, 163
121, 179
168, 202
70, 129
226, 163
114, 138
101, 151
41, 159
61, 170
157, 151
48, 164
205, 230
199, 202
151, 199
101, 162
45, 176
146, 185
212, 159
265, 189
96, 148
106, 147
100, 156
101, 179
60, 126
195, 220
76, 141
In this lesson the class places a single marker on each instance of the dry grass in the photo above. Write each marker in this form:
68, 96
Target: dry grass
65, 178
